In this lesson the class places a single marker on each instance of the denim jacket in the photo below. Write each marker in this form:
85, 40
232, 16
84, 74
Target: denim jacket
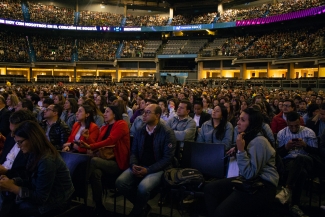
184, 129
207, 134
49, 186
69, 120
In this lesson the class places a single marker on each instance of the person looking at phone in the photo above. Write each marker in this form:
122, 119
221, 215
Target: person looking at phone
295, 145
84, 129
151, 153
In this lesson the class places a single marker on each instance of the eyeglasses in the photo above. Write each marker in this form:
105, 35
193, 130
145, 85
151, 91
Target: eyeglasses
20, 142
48, 109
286, 105
148, 112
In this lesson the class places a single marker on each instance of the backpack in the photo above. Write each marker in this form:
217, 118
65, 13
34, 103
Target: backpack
187, 177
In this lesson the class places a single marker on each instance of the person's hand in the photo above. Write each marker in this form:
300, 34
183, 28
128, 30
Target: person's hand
240, 142
2, 137
290, 145
139, 171
85, 133
66, 144
3, 170
7, 184
300, 143
66, 149
84, 145
135, 107
231, 151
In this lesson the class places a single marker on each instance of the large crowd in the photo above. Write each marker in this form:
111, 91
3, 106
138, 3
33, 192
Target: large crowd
52, 48
13, 47
97, 49
291, 44
11, 9
85, 119
93, 18
133, 48
305, 42
51, 14
146, 20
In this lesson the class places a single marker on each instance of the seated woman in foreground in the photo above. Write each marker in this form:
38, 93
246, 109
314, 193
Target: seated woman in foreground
84, 129
114, 134
47, 185
256, 161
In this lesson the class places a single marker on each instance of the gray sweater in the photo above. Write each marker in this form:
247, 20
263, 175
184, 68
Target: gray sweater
258, 160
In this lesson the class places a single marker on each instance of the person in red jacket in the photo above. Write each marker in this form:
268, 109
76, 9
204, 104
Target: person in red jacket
280, 120
84, 129
114, 133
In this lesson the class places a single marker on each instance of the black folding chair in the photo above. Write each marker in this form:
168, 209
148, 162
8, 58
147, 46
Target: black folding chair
208, 158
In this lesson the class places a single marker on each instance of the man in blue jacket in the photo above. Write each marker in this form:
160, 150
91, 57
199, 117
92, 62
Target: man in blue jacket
151, 153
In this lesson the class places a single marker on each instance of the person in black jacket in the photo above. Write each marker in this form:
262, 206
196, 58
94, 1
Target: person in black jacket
56, 130
12, 159
199, 116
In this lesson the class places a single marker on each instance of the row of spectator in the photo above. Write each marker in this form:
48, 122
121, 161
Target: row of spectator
12, 9
290, 44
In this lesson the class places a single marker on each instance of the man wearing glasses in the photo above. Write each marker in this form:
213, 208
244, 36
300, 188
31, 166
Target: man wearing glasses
151, 153
296, 145
280, 121
56, 130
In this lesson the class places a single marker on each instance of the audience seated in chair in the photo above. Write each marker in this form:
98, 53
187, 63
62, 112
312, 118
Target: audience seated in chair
182, 124
255, 159
84, 129
199, 116
47, 185
297, 146
114, 134
152, 152
56, 130
218, 129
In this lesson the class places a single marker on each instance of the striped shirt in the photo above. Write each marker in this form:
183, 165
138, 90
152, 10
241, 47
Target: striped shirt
304, 133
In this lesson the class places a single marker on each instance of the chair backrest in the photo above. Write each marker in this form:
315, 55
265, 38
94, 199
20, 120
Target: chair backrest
78, 165
208, 158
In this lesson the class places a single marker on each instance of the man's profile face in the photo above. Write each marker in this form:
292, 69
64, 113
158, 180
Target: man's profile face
149, 115
294, 126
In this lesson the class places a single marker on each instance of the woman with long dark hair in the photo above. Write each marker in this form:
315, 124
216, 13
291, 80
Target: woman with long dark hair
84, 129
46, 187
218, 129
231, 115
256, 161
115, 133
69, 114
98, 115
101, 103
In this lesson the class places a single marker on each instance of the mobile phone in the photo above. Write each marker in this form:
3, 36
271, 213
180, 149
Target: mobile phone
295, 139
